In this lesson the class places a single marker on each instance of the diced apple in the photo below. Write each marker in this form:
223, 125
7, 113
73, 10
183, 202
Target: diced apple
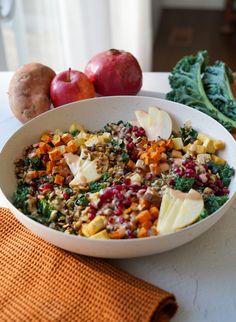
92, 140
177, 143
101, 235
203, 158
209, 145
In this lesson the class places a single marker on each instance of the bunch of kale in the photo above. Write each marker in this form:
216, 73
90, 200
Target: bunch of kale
205, 88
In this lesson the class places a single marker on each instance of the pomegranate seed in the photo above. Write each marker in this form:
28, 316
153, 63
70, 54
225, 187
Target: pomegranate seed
190, 173
45, 158
121, 220
33, 184
66, 195
135, 128
219, 183
135, 187
129, 139
134, 157
91, 216
225, 190
119, 210
126, 203
199, 183
127, 182
45, 187
130, 146
128, 130
171, 182
92, 210
111, 220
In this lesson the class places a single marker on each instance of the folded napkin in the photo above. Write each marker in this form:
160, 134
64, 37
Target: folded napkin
40, 282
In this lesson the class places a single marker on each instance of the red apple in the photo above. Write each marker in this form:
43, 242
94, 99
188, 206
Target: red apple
70, 86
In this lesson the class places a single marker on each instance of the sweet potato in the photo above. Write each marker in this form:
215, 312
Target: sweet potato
29, 91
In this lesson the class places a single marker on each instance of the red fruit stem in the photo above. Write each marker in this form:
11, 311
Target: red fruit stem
68, 79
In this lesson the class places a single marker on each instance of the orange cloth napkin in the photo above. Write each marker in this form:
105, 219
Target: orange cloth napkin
40, 282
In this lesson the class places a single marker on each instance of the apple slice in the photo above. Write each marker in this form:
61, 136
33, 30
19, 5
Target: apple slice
178, 210
166, 129
190, 210
86, 173
73, 162
157, 123
142, 118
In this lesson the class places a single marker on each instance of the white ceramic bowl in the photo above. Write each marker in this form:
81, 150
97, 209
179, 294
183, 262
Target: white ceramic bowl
94, 114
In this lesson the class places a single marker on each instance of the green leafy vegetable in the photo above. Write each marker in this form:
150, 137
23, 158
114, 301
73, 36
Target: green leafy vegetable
35, 163
125, 157
187, 87
105, 176
183, 183
225, 172
20, 198
212, 203
44, 208
96, 186
82, 200
216, 81
188, 134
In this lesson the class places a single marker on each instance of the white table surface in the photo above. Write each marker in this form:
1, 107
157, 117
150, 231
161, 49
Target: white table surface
202, 273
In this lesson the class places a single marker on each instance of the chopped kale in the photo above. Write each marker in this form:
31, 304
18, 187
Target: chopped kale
69, 191
188, 134
82, 200
34, 163
212, 203
105, 176
224, 170
125, 157
204, 213
183, 183
44, 208
96, 186
20, 198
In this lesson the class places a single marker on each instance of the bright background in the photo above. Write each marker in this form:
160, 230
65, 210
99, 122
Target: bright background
67, 33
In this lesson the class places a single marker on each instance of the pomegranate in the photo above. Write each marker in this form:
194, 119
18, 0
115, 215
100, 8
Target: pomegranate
115, 72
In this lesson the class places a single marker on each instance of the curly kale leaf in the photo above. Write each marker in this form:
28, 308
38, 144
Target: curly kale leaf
82, 200
44, 208
216, 82
20, 198
212, 203
187, 87
34, 163
183, 183
224, 170
188, 134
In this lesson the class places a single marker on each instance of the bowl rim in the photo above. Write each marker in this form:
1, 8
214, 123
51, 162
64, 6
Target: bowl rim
131, 240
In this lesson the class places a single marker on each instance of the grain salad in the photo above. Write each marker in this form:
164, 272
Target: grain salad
117, 183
